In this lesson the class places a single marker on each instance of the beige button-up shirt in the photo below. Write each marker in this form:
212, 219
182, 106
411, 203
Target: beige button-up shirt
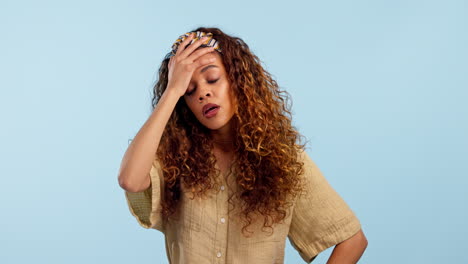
206, 232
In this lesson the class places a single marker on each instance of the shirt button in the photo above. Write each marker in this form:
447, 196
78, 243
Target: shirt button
223, 220
222, 187
218, 254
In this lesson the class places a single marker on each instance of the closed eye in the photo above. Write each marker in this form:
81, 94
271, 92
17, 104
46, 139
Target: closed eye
210, 82
191, 92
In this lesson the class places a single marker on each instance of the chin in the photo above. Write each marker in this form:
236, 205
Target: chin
215, 126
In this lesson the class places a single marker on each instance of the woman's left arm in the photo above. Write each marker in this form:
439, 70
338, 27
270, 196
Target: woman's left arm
350, 250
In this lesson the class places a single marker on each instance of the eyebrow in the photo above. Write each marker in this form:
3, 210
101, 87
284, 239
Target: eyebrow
207, 67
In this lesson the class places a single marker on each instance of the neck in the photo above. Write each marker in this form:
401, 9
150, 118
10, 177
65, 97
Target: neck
223, 140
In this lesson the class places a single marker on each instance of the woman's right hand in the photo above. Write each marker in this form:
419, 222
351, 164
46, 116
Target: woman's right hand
184, 62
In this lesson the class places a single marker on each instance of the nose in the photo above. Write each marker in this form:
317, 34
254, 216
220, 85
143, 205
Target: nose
203, 95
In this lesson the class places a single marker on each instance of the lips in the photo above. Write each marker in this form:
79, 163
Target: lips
209, 107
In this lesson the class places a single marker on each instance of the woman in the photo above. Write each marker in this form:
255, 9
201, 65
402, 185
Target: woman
218, 169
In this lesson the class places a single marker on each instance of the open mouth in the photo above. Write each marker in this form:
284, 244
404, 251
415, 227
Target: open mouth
211, 111
209, 108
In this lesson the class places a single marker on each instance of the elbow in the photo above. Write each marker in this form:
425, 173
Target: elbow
364, 240
130, 186
124, 184
357, 242
361, 240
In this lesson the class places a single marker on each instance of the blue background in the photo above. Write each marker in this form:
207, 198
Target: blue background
379, 88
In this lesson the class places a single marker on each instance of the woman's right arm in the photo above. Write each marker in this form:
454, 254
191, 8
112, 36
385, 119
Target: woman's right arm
138, 159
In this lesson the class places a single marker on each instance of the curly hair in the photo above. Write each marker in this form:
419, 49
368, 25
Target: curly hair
266, 143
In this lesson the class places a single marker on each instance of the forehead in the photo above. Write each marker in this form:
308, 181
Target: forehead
214, 54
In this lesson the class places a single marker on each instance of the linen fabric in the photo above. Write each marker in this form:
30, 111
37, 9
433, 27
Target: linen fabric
209, 230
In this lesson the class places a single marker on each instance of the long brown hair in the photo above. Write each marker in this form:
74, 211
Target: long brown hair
266, 143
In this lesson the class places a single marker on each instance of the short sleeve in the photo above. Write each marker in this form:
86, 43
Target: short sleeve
321, 218
145, 206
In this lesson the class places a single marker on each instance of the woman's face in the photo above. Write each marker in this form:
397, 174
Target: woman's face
210, 85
